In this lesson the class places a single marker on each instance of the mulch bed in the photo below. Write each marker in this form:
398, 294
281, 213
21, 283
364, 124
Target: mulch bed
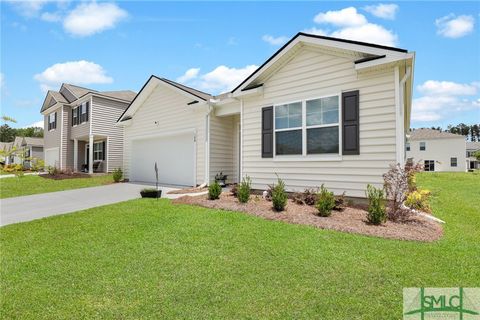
352, 220
63, 176
188, 190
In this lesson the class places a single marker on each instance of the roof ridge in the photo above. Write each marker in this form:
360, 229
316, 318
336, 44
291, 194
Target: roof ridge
181, 84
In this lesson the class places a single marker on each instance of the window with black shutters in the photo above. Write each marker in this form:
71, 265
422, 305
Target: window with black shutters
52, 121
453, 162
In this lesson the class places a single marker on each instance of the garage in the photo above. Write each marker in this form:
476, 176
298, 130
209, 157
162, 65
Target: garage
175, 157
52, 157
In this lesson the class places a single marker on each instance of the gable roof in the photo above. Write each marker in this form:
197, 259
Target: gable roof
126, 95
6, 146
18, 142
77, 91
33, 141
473, 145
194, 93
426, 134
380, 50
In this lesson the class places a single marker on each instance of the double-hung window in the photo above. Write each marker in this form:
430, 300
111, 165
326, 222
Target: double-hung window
98, 151
75, 116
307, 127
453, 162
423, 146
52, 121
84, 112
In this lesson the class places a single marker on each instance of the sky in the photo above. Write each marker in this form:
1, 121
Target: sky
213, 46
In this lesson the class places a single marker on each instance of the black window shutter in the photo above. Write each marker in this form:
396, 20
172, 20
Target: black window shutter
351, 122
55, 122
87, 108
103, 150
73, 119
267, 132
78, 114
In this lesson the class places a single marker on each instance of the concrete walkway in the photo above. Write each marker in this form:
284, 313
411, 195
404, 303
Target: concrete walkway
12, 175
27, 208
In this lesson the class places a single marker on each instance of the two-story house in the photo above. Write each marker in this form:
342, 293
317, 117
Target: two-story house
472, 162
80, 132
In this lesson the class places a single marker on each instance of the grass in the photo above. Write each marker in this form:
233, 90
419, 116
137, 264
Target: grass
149, 259
29, 184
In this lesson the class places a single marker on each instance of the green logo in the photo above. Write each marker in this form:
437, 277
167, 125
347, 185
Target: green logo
441, 303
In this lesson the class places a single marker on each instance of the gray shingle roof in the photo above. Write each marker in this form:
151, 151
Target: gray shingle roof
195, 92
426, 134
473, 145
127, 95
58, 96
34, 141
76, 90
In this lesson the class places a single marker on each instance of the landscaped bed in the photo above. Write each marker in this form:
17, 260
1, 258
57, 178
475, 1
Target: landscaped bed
63, 176
351, 219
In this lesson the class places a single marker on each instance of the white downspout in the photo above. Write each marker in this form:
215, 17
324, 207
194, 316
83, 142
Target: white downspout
401, 114
241, 141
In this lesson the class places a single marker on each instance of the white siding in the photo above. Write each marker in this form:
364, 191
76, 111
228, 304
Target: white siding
440, 151
313, 74
164, 112
223, 147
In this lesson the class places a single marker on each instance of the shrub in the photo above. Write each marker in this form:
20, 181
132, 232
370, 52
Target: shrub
396, 183
377, 213
325, 202
37, 164
244, 190
418, 200
52, 170
279, 196
308, 197
269, 190
298, 198
214, 191
234, 190
340, 202
117, 175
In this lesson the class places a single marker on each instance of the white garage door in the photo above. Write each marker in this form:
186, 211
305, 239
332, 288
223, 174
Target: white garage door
174, 156
52, 157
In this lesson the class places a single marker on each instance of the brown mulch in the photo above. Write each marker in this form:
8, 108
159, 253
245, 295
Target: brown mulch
188, 190
352, 220
63, 176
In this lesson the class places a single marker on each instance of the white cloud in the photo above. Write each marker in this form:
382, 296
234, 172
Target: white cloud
347, 17
442, 99
220, 79
76, 72
90, 18
189, 75
2, 80
274, 41
51, 16
37, 124
454, 27
352, 25
28, 9
382, 10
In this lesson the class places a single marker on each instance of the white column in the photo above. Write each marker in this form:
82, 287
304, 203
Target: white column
90, 154
75, 155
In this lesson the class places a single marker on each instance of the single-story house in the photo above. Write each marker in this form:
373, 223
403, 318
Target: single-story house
5, 156
321, 110
472, 162
437, 150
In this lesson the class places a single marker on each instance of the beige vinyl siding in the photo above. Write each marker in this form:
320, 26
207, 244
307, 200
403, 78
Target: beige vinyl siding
104, 116
312, 74
51, 139
169, 109
222, 147
67, 144
37, 152
82, 130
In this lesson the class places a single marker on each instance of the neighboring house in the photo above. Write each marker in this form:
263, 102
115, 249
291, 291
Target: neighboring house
437, 150
27, 148
5, 157
79, 131
321, 110
472, 162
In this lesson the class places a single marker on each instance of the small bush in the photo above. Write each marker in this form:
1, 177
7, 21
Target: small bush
325, 202
377, 213
52, 170
214, 191
419, 200
244, 190
234, 190
298, 198
269, 190
37, 164
279, 196
340, 202
117, 175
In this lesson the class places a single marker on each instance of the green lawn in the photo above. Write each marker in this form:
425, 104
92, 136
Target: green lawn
148, 259
26, 185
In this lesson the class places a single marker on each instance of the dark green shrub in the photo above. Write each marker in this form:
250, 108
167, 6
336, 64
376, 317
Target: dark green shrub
325, 202
117, 175
234, 190
214, 191
243, 193
279, 196
377, 213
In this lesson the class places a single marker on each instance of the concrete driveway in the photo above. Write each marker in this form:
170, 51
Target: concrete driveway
26, 208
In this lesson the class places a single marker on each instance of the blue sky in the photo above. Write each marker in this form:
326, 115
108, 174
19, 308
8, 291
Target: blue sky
214, 45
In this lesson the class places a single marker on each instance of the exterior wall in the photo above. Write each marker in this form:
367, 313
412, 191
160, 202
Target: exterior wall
82, 130
66, 152
440, 150
37, 152
222, 147
105, 114
312, 74
81, 154
51, 139
165, 112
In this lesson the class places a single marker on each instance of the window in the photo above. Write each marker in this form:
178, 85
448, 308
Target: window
407, 146
84, 112
422, 146
429, 165
307, 127
80, 114
52, 121
453, 162
99, 151
75, 116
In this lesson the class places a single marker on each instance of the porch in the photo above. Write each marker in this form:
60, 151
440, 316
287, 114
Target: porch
90, 162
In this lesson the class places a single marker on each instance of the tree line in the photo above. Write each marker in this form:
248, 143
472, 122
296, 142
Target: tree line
8, 134
471, 132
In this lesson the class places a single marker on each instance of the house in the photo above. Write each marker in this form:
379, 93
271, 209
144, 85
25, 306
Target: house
321, 110
437, 150
5, 156
79, 131
27, 149
472, 162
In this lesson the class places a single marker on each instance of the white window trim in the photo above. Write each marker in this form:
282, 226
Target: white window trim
76, 117
304, 156
97, 151
55, 121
